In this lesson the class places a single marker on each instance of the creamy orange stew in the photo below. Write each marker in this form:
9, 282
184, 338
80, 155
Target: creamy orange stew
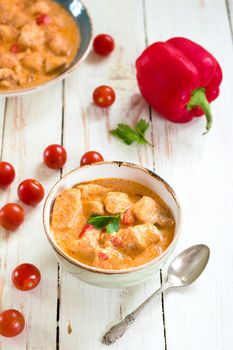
146, 226
38, 40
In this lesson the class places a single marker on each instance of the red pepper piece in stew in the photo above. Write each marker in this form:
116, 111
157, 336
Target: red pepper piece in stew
127, 218
117, 242
103, 256
15, 48
85, 229
43, 19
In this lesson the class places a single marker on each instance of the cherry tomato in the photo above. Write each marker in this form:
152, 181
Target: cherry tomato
30, 192
7, 174
91, 157
12, 323
103, 44
104, 96
11, 216
26, 277
15, 48
43, 19
55, 156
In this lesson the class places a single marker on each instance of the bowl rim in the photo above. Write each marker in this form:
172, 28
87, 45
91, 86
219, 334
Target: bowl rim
60, 77
89, 268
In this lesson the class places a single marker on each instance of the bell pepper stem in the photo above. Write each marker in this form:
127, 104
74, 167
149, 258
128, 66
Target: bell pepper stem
198, 99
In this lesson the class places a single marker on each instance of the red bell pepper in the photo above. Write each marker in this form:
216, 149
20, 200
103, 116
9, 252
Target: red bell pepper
179, 78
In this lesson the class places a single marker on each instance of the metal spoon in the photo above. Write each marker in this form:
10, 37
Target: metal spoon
182, 271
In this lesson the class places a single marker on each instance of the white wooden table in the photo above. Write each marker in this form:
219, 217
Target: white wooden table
200, 169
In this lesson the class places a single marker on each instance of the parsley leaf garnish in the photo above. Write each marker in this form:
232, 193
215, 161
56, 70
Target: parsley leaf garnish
142, 126
100, 221
110, 222
113, 226
129, 135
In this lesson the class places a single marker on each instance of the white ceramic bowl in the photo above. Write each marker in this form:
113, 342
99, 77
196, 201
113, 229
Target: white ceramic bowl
128, 171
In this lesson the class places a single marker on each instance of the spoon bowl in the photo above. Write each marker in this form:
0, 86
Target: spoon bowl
188, 266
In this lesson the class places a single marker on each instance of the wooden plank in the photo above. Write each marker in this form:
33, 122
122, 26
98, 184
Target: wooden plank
199, 169
229, 8
87, 309
32, 122
3, 103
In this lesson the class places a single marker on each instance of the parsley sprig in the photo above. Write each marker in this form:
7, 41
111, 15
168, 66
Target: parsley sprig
110, 222
129, 135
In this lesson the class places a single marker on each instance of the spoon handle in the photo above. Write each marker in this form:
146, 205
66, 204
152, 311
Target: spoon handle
118, 330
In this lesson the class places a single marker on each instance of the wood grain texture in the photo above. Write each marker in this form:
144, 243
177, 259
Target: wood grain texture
3, 104
199, 169
31, 124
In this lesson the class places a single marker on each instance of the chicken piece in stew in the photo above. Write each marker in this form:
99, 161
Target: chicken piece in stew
145, 228
38, 40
